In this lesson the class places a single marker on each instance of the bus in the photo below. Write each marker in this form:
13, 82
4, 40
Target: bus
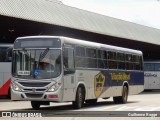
151, 75
77, 71
5, 69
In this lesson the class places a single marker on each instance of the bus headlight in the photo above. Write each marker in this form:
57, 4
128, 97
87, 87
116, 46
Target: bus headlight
16, 87
53, 88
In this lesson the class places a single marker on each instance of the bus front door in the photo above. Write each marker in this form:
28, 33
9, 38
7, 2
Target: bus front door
69, 74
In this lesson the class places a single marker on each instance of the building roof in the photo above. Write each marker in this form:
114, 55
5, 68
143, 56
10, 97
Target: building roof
85, 43
56, 13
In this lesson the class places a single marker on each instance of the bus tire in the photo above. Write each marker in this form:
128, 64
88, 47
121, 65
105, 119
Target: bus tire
35, 104
122, 99
91, 101
80, 96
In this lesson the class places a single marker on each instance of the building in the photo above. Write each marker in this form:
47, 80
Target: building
50, 17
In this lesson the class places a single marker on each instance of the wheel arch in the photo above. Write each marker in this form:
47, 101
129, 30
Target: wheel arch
81, 84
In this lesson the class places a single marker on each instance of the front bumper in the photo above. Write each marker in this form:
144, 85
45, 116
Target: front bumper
37, 96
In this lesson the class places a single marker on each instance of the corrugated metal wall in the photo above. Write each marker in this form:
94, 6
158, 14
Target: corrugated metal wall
61, 15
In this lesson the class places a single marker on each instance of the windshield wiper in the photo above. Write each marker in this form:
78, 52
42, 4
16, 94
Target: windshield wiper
42, 55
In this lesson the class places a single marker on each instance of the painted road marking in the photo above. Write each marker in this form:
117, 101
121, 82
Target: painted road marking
124, 108
148, 108
105, 108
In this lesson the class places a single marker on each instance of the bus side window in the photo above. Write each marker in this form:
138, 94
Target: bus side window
68, 61
112, 60
9, 55
102, 59
121, 60
5, 54
2, 54
129, 62
137, 62
149, 67
80, 59
157, 66
91, 58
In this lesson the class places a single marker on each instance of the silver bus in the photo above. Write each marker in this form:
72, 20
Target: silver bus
58, 69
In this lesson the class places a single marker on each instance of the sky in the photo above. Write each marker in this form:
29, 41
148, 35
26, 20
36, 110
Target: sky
144, 12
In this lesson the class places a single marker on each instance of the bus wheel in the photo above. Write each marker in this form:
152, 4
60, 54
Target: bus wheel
92, 101
123, 98
35, 104
78, 103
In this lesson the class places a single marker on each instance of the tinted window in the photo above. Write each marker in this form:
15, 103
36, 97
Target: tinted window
80, 51
68, 58
128, 57
136, 58
120, 56
102, 54
121, 60
80, 62
102, 63
90, 52
102, 59
112, 55
91, 63
157, 66
5, 54
137, 62
148, 66
129, 66
112, 64
121, 65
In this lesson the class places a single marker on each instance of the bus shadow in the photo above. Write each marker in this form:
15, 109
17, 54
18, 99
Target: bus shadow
4, 99
70, 107
150, 92
105, 104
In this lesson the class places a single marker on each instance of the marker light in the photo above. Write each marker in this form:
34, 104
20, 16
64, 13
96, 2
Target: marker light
53, 96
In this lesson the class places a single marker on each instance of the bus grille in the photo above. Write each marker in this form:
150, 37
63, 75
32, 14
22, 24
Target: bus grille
34, 84
39, 90
29, 95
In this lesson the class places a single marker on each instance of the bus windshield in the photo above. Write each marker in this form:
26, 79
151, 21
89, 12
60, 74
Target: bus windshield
36, 64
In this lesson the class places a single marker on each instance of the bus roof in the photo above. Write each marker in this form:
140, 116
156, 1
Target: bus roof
89, 44
99, 45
